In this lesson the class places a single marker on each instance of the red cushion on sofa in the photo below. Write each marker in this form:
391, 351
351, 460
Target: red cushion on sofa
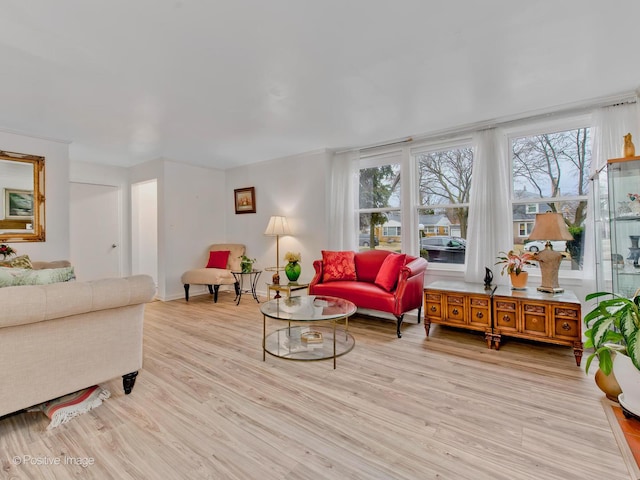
218, 259
338, 266
389, 270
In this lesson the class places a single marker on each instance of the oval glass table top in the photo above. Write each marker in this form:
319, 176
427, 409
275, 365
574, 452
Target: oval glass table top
312, 308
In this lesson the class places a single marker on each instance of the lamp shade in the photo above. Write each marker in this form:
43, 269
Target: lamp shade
278, 225
550, 226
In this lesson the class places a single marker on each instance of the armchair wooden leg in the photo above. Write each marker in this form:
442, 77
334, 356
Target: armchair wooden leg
186, 292
215, 293
237, 287
210, 289
419, 314
399, 317
128, 381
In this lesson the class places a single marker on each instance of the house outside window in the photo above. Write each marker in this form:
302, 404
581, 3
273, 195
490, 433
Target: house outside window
443, 186
551, 167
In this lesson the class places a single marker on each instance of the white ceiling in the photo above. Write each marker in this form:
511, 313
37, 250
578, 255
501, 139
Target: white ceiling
230, 82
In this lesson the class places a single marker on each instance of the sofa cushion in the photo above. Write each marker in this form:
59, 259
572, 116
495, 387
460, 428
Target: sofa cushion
23, 261
387, 277
10, 277
218, 259
338, 266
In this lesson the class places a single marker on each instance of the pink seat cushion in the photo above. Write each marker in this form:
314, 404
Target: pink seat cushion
338, 266
387, 277
218, 259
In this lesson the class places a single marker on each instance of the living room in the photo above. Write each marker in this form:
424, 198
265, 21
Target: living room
299, 171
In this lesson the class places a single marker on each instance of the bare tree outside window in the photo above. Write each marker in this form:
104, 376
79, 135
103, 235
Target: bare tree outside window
379, 191
553, 169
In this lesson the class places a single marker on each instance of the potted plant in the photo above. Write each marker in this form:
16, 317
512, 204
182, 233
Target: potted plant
246, 263
613, 331
513, 263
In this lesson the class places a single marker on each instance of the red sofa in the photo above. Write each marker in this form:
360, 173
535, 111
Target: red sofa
375, 284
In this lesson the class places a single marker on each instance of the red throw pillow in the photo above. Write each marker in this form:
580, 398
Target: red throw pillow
387, 276
218, 259
338, 266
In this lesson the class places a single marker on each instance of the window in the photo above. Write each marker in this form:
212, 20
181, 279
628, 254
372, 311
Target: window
444, 183
532, 208
379, 203
550, 172
524, 229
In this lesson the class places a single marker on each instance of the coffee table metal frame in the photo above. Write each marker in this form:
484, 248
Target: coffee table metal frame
307, 310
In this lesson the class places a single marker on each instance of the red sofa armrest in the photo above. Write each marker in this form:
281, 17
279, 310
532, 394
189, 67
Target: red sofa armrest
410, 289
317, 278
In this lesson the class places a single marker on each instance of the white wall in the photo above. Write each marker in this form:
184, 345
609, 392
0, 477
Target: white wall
56, 165
191, 216
295, 187
144, 229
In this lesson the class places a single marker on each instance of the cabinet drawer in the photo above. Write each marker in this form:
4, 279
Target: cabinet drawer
480, 312
455, 308
567, 329
433, 306
535, 319
505, 315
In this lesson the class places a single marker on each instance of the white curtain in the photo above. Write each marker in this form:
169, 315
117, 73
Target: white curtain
490, 214
609, 126
343, 201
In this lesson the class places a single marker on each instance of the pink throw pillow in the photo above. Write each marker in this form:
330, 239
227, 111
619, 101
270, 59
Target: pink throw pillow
387, 276
338, 266
218, 259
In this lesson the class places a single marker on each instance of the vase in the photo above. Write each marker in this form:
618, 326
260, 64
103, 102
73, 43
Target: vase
628, 377
292, 271
519, 280
608, 384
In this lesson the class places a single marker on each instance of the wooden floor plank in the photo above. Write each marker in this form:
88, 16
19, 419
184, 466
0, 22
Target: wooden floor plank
205, 405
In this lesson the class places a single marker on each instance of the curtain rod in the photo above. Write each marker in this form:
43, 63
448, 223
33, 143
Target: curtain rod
567, 109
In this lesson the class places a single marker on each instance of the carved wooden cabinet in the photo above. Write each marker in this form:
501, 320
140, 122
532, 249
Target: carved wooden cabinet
502, 312
458, 304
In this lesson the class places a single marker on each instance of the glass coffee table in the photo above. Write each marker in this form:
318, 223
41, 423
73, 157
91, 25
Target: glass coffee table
311, 331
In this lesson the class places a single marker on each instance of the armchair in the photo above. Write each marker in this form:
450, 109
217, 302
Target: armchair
218, 269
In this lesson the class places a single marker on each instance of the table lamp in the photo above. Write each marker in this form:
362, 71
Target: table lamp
549, 226
278, 225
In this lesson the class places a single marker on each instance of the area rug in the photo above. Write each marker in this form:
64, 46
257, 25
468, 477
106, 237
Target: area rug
63, 409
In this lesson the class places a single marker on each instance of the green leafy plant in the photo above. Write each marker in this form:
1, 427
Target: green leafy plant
613, 326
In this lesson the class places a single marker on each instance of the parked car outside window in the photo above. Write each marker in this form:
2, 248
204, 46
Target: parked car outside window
444, 249
538, 245
365, 240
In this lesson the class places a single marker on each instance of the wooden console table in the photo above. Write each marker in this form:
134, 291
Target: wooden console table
502, 312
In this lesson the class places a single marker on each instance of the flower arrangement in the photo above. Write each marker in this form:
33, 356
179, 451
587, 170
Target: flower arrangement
634, 197
6, 250
292, 257
514, 262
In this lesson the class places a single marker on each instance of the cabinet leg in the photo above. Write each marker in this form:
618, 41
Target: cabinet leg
496, 340
427, 324
577, 352
488, 336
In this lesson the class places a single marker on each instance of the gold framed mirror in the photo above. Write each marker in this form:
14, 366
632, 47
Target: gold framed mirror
22, 198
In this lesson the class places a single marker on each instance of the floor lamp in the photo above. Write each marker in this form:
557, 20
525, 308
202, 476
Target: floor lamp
278, 225
549, 226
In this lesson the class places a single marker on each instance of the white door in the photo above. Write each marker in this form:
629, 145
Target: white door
95, 231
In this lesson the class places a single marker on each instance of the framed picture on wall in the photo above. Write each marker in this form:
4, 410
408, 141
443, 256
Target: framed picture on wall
245, 200
18, 204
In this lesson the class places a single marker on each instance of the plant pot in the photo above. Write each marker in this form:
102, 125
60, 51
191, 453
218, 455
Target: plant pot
628, 376
519, 281
608, 384
292, 271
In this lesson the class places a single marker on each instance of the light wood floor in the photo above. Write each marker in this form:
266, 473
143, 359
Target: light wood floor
205, 405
